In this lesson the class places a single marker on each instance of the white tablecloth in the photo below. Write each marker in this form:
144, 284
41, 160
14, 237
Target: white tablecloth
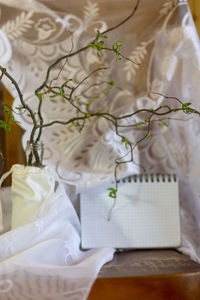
43, 260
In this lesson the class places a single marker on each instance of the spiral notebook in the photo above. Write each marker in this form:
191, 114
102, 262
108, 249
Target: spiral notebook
146, 214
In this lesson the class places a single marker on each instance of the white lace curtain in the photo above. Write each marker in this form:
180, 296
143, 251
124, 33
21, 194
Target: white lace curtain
162, 39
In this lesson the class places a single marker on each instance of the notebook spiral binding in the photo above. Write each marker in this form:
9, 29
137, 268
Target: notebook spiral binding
150, 178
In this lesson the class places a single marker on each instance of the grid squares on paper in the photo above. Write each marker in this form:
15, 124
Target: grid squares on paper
146, 215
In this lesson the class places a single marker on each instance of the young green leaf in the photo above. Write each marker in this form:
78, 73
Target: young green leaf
62, 94
125, 141
4, 125
19, 108
112, 193
184, 105
148, 135
54, 96
11, 118
112, 86
99, 113
88, 116
5, 109
40, 96
91, 46
139, 124
117, 48
163, 122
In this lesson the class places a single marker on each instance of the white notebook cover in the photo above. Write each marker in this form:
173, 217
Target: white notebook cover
146, 214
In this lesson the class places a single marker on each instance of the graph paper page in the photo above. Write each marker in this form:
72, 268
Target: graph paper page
146, 215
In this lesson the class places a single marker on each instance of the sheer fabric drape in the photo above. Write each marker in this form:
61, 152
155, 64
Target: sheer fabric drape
162, 39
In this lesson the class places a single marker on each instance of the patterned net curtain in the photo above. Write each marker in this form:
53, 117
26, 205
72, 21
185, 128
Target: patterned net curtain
160, 38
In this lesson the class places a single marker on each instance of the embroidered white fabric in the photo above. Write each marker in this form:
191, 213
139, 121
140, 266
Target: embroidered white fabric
32, 192
41, 258
160, 37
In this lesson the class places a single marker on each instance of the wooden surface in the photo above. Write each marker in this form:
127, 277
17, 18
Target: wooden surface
195, 9
148, 275
12, 146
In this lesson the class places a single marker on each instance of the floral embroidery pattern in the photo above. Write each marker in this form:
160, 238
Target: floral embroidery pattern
45, 28
136, 56
169, 5
91, 11
16, 28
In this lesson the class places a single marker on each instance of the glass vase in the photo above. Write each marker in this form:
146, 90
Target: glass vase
34, 153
